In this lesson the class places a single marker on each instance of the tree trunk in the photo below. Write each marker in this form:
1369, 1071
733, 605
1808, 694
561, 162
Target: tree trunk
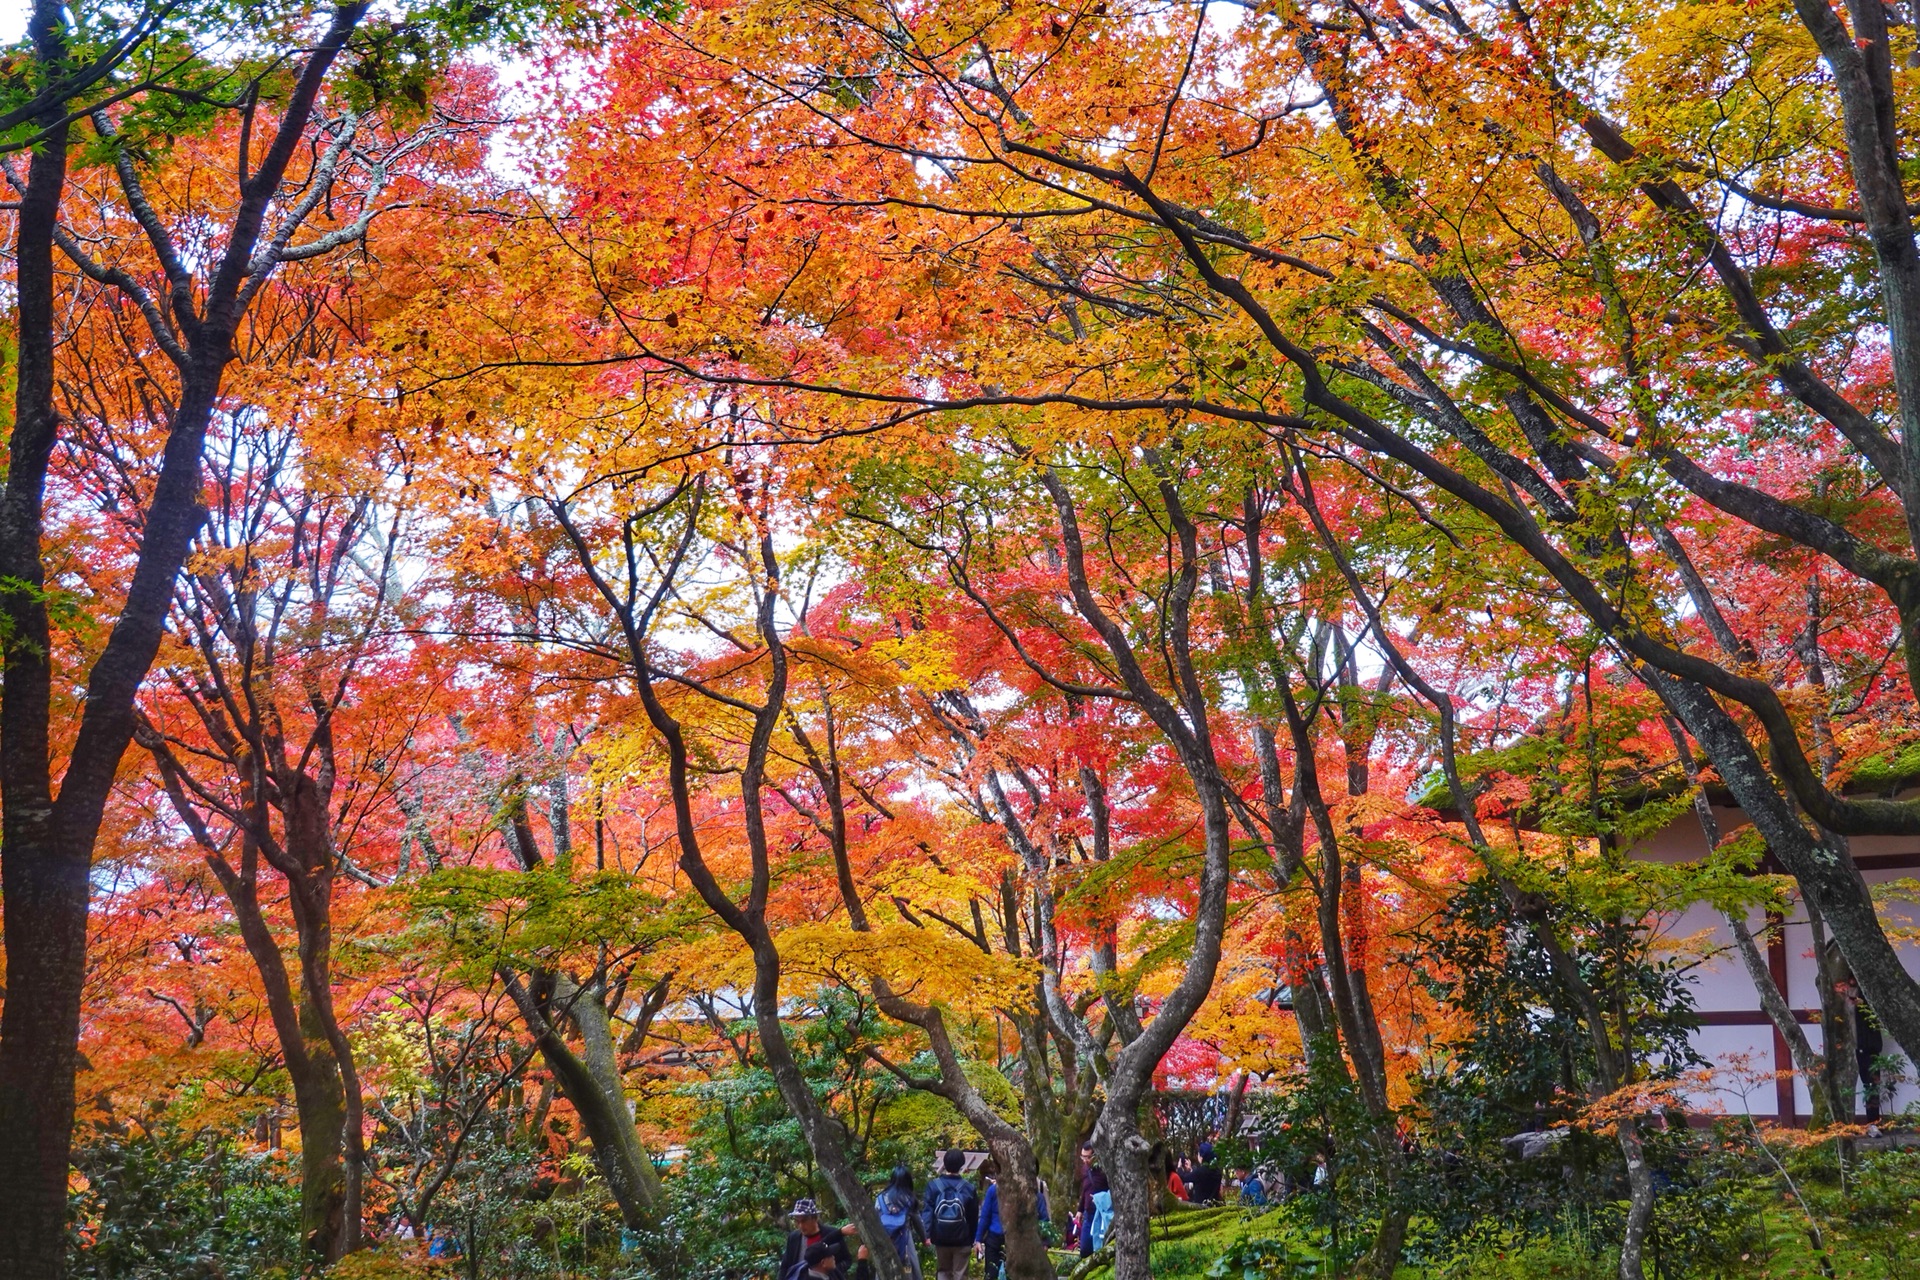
318, 1094
597, 1050
1026, 1257
321, 1105
1840, 1063
1123, 1151
1633, 1236
1827, 876
43, 876
47, 844
601, 1103
826, 1136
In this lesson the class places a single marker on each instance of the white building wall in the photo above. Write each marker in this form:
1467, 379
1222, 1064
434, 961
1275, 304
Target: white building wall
1723, 991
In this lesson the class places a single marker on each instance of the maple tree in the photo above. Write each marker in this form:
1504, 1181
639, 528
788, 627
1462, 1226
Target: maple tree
1064, 551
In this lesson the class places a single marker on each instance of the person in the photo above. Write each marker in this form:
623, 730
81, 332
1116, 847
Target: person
1092, 1182
989, 1234
950, 1216
1253, 1189
1203, 1184
896, 1205
821, 1261
807, 1232
1162, 1158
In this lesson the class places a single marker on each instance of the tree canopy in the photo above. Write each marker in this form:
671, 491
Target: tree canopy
617, 614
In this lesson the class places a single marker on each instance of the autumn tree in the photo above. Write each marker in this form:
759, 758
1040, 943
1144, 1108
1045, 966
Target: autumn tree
296, 187
1474, 298
266, 744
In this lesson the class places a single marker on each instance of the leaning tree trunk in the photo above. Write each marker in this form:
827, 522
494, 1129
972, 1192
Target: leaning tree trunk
826, 1137
1019, 1181
598, 1095
601, 1056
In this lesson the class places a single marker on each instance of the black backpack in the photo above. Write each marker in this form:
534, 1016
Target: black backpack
949, 1225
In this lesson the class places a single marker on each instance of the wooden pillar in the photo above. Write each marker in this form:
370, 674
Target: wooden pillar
1785, 1107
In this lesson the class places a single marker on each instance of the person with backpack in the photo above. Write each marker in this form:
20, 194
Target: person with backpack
807, 1232
951, 1214
896, 1206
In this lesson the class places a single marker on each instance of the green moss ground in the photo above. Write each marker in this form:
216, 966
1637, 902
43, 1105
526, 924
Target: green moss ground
1773, 1245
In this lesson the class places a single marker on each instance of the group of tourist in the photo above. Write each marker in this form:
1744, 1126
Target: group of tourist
955, 1218
959, 1219
1195, 1180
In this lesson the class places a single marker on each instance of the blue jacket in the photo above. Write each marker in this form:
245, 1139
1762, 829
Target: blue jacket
989, 1215
990, 1212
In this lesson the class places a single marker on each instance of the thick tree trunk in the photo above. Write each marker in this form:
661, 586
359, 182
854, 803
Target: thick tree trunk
598, 1052
1135, 1188
43, 870
47, 844
601, 1103
321, 1105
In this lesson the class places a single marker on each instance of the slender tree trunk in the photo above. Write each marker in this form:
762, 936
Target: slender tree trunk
1640, 1190
318, 1096
826, 1137
1840, 1063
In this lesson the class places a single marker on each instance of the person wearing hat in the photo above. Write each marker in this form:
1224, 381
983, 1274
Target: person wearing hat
807, 1232
1203, 1184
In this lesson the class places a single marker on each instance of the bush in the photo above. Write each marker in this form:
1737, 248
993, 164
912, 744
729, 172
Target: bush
163, 1204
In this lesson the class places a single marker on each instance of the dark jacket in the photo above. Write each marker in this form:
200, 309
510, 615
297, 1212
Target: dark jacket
1093, 1179
797, 1245
1204, 1186
936, 1189
862, 1270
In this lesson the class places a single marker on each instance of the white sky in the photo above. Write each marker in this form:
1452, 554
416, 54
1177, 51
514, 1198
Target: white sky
13, 20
